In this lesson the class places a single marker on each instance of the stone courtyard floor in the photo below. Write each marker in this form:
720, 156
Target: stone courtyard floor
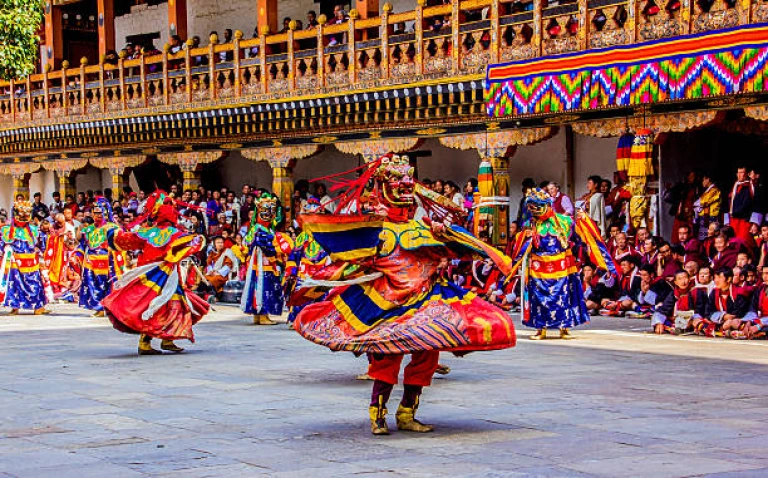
75, 400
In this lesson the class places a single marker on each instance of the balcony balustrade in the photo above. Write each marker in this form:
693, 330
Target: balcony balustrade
446, 41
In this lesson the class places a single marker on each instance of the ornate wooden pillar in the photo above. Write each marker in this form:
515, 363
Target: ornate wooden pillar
119, 169
267, 15
21, 185
65, 169
67, 185
367, 8
177, 18
20, 172
54, 42
282, 160
282, 186
106, 25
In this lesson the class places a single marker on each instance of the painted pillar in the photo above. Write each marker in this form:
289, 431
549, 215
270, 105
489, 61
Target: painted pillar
106, 25
177, 18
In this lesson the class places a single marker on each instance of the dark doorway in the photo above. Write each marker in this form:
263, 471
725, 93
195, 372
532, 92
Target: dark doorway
156, 175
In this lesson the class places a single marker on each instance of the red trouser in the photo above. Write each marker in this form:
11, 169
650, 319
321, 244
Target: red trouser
418, 372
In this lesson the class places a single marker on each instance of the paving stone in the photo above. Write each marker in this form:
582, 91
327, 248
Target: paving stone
76, 400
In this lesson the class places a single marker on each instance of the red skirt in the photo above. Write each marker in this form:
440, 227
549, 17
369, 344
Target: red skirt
128, 305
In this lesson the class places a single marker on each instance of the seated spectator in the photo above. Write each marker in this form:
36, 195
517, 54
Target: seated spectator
653, 291
692, 268
723, 306
623, 248
650, 252
595, 287
221, 261
691, 246
670, 315
725, 257
641, 235
628, 289
755, 322
742, 259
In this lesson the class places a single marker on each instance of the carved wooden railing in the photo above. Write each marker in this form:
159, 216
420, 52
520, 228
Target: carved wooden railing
444, 41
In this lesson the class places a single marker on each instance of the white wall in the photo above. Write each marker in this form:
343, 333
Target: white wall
593, 156
6, 192
204, 16
234, 171
329, 161
92, 179
447, 164
43, 182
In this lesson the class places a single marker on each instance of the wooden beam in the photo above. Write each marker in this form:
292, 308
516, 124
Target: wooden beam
106, 23
54, 39
367, 8
177, 18
266, 11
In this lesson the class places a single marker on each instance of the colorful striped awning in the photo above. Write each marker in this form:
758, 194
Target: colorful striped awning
715, 63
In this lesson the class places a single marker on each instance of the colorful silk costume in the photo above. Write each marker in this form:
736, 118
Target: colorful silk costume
150, 299
403, 306
22, 279
263, 293
553, 293
101, 266
390, 297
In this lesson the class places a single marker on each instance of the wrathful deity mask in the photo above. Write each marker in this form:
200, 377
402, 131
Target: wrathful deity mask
22, 211
395, 178
538, 202
266, 210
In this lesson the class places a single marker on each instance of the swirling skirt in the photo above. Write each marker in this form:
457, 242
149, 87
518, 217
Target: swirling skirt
452, 325
132, 308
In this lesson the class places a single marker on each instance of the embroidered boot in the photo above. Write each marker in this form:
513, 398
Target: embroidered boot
145, 346
565, 335
170, 346
377, 414
406, 419
41, 311
262, 319
541, 334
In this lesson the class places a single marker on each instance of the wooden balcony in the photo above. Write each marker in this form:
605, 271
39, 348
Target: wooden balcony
447, 43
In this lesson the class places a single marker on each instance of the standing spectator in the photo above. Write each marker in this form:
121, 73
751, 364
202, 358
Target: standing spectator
452, 192
616, 202
227, 55
57, 205
682, 197
286, 25
742, 207
594, 203
561, 203
311, 20
39, 209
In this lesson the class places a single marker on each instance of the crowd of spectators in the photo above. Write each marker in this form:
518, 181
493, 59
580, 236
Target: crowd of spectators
708, 278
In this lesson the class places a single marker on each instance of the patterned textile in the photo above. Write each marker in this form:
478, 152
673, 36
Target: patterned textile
553, 295
23, 282
263, 293
150, 299
100, 266
407, 308
712, 63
